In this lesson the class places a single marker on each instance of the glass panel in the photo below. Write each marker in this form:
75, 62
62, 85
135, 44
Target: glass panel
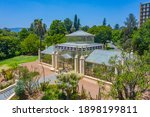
46, 58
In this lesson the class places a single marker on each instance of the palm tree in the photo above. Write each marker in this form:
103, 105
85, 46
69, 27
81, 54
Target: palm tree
39, 28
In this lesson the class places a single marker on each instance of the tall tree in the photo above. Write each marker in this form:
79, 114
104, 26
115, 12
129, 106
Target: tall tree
76, 22
56, 33
141, 38
30, 45
39, 28
9, 47
117, 27
57, 27
116, 36
68, 25
23, 34
131, 80
131, 22
104, 22
102, 34
130, 27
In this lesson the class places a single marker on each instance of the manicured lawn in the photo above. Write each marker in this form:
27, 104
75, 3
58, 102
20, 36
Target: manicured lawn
8, 63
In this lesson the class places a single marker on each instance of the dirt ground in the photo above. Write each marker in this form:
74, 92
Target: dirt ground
36, 66
94, 88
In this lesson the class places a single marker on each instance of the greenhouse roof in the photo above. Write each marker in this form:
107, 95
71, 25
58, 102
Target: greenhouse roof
49, 50
79, 45
102, 56
66, 56
80, 33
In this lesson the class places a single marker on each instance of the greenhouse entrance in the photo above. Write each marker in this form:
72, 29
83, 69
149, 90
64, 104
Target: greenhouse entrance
65, 63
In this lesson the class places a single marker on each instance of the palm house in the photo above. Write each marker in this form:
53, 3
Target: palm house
73, 55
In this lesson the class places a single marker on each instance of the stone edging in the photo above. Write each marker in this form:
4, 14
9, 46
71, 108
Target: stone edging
3, 90
96, 79
47, 65
11, 96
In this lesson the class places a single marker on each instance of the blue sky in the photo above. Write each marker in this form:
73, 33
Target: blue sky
20, 13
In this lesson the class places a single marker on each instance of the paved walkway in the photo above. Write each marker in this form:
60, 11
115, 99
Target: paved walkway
88, 84
4, 95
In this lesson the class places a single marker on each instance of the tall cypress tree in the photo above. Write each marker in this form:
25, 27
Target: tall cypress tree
104, 22
76, 22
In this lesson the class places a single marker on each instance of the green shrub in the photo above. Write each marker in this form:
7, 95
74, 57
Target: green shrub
6, 84
68, 84
8, 74
52, 93
44, 86
20, 90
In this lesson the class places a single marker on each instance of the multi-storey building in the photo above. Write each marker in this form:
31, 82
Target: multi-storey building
144, 12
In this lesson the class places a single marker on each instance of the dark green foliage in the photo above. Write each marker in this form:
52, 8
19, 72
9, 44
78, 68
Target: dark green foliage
30, 45
116, 36
141, 38
56, 33
76, 22
131, 22
23, 34
7, 32
9, 46
117, 27
68, 25
20, 90
103, 34
57, 27
38, 27
131, 26
52, 92
44, 86
104, 22
85, 28
55, 39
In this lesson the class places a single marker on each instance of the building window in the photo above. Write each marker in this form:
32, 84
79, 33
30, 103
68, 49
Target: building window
147, 13
147, 9
143, 21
